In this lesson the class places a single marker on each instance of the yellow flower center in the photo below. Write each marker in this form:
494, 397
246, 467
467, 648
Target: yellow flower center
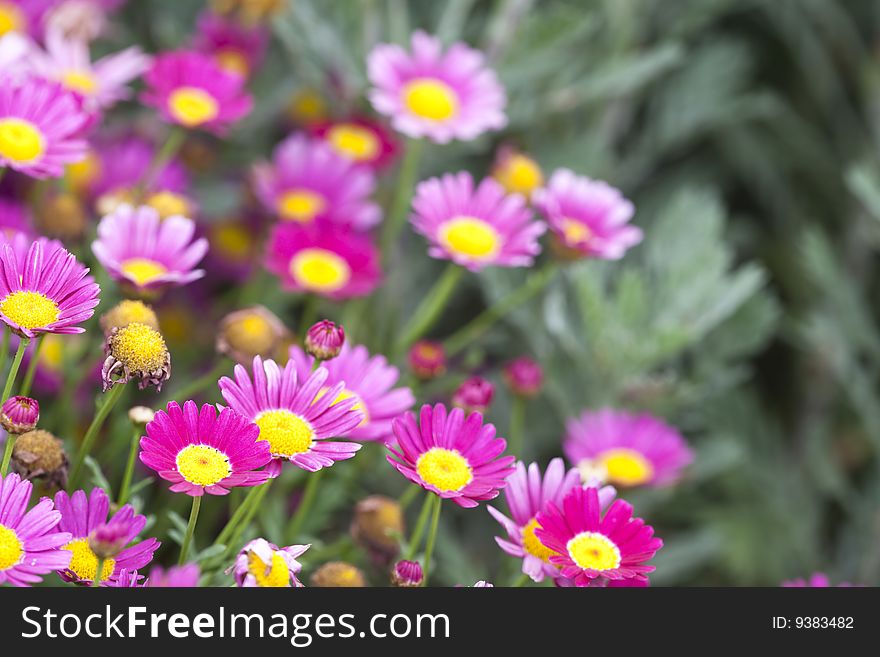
287, 432
11, 548
83, 173
300, 205
520, 174
232, 61
252, 334
169, 204
320, 270
626, 467
345, 393
354, 141
84, 563
470, 237
30, 310
20, 140
234, 240
11, 18
532, 544
192, 106
575, 232
594, 551
276, 576
52, 352
139, 347
445, 469
306, 106
203, 465
430, 98
143, 270
81, 81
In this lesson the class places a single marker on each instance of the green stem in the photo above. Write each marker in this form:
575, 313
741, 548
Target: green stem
99, 573
237, 515
4, 356
519, 581
305, 506
430, 308
246, 518
515, 431
125, 486
484, 321
409, 170
203, 382
415, 540
7, 453
408, 496
92, 433
308, 314
432, 537
13, 371
169, 149
190, 529
32, 368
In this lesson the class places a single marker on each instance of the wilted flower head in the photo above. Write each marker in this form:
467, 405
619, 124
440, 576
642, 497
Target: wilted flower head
427, 359
407, 574
524, 376
254, 331
38, 454
135, 351
474, 395
378, 525
129, 311
19, 414
338, 574
324, 340
61, 215
263, 564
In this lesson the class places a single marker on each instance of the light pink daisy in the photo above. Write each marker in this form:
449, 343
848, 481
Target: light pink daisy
41, 127
200, 452
190, 89
370, 381
119, 165
263, 564
308, 182
429, 92
147, 253
589, 217
478, 227
360, 139
330, 261
296, 415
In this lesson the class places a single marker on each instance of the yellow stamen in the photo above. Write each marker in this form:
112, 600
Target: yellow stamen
169, 204
430, 98
300, 205
81, 81
11, 548
83, 173
286, 432
276, 576
11, 18
52, 352
445, 469
233, 61
594, 551
139, 347
626, 467
84, 563
575, 232
354, 141
520, 174
532, 544
20, 140
192, 106
143, 270
470, 237
203, 465
320, 270
233, 240
30, 310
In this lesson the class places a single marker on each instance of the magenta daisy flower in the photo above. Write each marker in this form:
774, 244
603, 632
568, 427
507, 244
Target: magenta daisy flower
589, 217
475, 227
453, 456
29, 542
359, 139
296, 415
527, 494
330, 261
47, 291
190, 89
147, 253
370, 381
121, 164
14, 220
429, 92
200, 452
263, 564
625, 449
127, 579
309, 182
176, 577
238, 49
81, 515
23, 16
815, 581
41, 127
102, 83
587, 544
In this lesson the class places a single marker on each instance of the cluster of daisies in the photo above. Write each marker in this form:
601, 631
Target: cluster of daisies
312, 219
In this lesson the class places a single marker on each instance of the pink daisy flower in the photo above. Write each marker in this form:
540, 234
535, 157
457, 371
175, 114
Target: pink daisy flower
81, 515
589, 217
478, 227
453, 456
147, 253
429, 92
121, 164
370, 381
815, 581
190, 89
13, 46
46, 291
626, 449
527, 494
296, 415
14, 219
238, 49
176, 577
200, 452
127, 579
330, 261
41, 127
22, 16
309, 182
360, 139
101, 84
587, 544
29, 542
263, 564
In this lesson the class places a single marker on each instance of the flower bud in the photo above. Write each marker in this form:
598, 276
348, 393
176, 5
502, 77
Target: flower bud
19, 414
141, 415
427, 359
324, 340
108, 539
474, 395
338, 574
407, 574
524, 377
377, 524
250, 332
